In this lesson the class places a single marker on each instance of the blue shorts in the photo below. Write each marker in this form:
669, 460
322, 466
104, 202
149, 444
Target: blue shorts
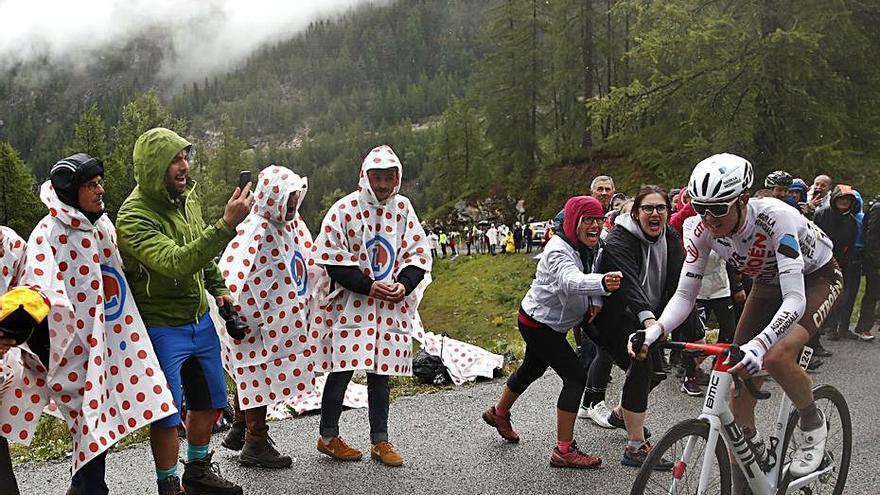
190, 358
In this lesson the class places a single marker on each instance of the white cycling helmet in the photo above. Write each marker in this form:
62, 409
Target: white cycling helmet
720, 178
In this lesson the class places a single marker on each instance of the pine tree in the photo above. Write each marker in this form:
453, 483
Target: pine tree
509, 81
218, 169
89, 136
20, 208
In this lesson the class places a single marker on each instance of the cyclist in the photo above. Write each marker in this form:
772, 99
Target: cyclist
778, 182
796, 283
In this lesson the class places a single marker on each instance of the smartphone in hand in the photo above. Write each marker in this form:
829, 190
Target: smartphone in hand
243, 178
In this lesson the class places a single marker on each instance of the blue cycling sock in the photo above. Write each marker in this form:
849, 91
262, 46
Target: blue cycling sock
161, 474
196, 452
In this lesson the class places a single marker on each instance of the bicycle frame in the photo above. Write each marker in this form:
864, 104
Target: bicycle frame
716, 411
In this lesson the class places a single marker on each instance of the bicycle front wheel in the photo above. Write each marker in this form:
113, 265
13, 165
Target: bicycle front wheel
838, 446
685, 475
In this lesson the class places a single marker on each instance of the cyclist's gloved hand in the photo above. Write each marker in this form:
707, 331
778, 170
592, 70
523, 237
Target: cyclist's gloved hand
753, 357
653, 333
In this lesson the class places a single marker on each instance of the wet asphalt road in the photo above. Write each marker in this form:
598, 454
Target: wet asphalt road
448, 449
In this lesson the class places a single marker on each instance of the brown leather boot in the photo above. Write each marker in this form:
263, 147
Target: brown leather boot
234, 439
259, 450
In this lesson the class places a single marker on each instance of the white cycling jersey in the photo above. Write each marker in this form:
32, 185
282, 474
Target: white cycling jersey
776, 245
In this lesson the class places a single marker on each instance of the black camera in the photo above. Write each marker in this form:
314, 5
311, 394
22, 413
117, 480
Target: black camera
234, 326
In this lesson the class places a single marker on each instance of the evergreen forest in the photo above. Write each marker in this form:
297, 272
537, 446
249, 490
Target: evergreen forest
505, 99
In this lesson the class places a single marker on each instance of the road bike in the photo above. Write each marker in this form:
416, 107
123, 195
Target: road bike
700, 448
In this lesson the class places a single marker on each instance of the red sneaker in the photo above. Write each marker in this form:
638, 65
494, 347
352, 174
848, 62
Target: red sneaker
574, 459
501, 423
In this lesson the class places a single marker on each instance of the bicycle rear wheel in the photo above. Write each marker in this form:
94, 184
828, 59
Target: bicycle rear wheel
685, 476
838, 446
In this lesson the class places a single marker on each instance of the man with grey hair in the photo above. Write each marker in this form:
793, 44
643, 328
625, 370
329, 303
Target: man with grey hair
602, 188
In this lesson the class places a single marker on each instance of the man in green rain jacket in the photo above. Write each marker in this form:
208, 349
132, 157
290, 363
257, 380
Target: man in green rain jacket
168, 253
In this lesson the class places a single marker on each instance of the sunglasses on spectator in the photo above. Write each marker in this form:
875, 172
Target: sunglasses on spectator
714, 209
648, 209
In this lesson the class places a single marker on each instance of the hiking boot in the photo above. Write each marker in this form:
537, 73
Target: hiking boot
169, 486
597, 413
617, 422
635, 457
234, 439
811, 449
338, 449
574, 459
262, 453
385, 453
691, 387
202, 477
501, 423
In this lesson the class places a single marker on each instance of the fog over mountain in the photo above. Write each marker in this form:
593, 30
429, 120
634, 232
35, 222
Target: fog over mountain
203, 36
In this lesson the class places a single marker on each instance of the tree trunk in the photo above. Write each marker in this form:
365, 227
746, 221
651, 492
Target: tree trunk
588, 62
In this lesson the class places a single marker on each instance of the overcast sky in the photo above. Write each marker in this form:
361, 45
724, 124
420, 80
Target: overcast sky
208, 35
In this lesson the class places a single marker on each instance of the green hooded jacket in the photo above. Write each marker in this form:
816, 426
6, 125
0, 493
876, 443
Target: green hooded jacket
167, 249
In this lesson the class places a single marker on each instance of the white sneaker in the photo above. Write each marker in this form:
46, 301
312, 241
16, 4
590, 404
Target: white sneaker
599, 414
811, 449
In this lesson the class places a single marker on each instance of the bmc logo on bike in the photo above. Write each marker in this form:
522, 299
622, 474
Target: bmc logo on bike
710, 393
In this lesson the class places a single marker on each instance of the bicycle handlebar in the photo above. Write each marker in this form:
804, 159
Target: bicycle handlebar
731, 352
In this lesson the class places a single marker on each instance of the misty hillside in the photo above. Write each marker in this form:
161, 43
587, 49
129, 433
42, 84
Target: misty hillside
505, 99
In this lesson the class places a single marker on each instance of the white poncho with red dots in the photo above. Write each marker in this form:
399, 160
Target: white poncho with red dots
22, 376
103, 373
359, 332
270, 272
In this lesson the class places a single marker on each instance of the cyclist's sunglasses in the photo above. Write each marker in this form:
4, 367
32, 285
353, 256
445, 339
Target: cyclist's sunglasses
714, 209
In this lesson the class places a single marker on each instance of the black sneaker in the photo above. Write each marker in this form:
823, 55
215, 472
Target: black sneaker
617, 422
636, 457
169, 486
262, 453
234, 440
820, 351
701, 377
202, 477
691, 387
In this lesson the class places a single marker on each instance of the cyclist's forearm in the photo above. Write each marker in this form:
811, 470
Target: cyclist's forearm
794, 302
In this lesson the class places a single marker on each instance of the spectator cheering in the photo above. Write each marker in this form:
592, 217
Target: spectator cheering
558, 299
169, 258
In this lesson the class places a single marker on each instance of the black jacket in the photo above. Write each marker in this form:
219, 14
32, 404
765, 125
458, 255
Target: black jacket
841, 228
623, 252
